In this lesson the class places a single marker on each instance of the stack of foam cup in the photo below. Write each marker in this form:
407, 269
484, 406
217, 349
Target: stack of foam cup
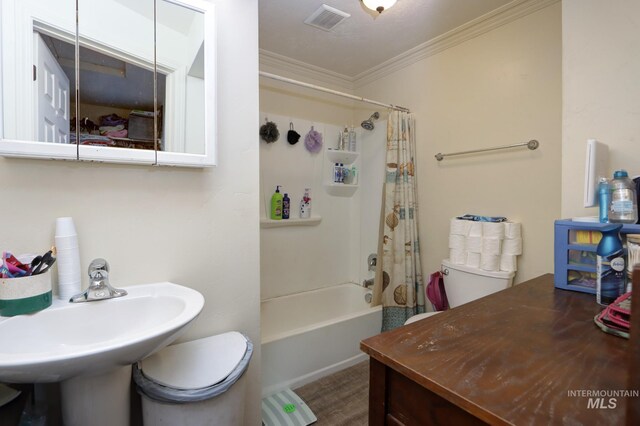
68, 258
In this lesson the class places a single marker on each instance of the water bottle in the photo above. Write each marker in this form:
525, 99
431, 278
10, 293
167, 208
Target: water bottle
604, 199
610, 269
623, 207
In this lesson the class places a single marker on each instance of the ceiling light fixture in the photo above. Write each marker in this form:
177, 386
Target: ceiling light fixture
379, 5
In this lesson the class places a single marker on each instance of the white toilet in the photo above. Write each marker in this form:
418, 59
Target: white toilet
464, 284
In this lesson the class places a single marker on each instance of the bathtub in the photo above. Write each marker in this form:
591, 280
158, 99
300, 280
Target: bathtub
309, 335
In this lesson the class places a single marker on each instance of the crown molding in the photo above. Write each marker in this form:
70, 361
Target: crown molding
483, 24
283, 65
292, 68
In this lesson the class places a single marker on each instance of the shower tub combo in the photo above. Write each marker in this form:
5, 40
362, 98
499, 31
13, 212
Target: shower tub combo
309, 335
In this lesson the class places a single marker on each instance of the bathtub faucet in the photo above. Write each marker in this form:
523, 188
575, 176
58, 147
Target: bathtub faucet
368, 283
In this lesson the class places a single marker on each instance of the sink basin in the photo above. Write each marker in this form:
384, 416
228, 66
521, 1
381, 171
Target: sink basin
89, 347
71, 339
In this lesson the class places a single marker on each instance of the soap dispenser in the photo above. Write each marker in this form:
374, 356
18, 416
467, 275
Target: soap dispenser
276, 204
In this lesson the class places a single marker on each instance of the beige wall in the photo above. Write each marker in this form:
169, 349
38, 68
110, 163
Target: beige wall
291, 101
499, 88
195, 227
601, 90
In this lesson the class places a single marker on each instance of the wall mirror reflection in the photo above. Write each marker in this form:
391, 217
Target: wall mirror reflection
132, 82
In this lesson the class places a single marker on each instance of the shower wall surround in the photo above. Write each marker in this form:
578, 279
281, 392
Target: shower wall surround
302, 258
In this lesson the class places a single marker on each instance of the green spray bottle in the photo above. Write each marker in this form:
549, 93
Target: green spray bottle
276, 204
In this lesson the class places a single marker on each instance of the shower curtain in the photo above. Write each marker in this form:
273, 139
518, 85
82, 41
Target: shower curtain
398, 283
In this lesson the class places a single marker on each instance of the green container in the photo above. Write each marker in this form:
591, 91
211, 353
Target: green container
25, 295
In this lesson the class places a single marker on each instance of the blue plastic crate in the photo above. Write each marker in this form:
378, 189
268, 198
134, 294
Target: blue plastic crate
575, 246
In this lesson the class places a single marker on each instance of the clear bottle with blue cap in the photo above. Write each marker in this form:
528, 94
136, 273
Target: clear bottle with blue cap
623, 207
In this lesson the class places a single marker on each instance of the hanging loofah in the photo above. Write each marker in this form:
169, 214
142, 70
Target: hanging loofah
292, 136
269, 132
313, 141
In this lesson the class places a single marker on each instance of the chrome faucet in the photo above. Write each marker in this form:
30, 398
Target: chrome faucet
368, 283
99, 287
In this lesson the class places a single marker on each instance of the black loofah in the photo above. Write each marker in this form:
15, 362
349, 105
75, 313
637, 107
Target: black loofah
269, 132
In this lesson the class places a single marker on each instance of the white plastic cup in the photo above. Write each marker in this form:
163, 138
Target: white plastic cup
67, 253
70, 242
68, 290
68, 258
65, 227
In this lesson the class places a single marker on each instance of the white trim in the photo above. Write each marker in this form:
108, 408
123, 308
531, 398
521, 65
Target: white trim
474, 28
288, 66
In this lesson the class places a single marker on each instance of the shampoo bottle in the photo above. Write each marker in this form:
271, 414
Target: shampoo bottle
286, 206
305, 205
276, 204
352, 139
345, 139
610, 270
604, 199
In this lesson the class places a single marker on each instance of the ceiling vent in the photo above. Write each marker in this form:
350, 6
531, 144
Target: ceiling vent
326, 18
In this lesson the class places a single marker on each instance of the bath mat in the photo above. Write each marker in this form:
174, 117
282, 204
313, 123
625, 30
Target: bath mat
285, 408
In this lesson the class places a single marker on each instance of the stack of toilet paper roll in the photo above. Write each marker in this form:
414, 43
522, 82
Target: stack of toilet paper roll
491, 246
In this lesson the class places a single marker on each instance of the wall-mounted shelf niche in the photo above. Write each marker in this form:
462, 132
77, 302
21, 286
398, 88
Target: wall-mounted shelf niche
269, 223
344, 157
341, 189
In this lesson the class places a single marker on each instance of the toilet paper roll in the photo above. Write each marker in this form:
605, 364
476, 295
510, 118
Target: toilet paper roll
475, 229
491, 246
459, 227
493, 229
508, 262
512, 246
474, 244
512, 230
473, 260
457, 242
457, 257
489, 262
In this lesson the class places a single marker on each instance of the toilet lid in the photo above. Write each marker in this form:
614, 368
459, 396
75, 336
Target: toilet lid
197, 364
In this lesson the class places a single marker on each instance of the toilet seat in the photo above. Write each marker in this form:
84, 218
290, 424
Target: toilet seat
420, 316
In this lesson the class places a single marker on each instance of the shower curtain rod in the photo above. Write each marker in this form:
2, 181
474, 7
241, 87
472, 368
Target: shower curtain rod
334, 92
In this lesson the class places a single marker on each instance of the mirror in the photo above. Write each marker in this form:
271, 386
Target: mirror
143, 73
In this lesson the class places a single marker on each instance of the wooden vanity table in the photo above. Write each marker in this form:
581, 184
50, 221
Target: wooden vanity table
514, 357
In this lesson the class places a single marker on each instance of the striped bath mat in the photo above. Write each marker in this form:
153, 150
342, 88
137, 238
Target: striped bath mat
285, 408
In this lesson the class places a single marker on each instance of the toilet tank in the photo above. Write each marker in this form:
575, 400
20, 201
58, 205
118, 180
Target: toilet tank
464, 284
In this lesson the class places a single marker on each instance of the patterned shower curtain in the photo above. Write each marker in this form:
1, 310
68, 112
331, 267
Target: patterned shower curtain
398, 283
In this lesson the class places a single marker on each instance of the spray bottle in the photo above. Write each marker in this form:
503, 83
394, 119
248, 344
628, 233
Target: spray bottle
610, 271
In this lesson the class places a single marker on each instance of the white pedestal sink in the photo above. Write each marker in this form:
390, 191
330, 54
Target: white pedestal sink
90, 347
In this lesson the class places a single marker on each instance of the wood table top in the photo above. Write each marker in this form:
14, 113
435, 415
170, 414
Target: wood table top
515, 357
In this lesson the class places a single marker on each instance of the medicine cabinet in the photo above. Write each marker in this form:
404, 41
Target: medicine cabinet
125, 82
